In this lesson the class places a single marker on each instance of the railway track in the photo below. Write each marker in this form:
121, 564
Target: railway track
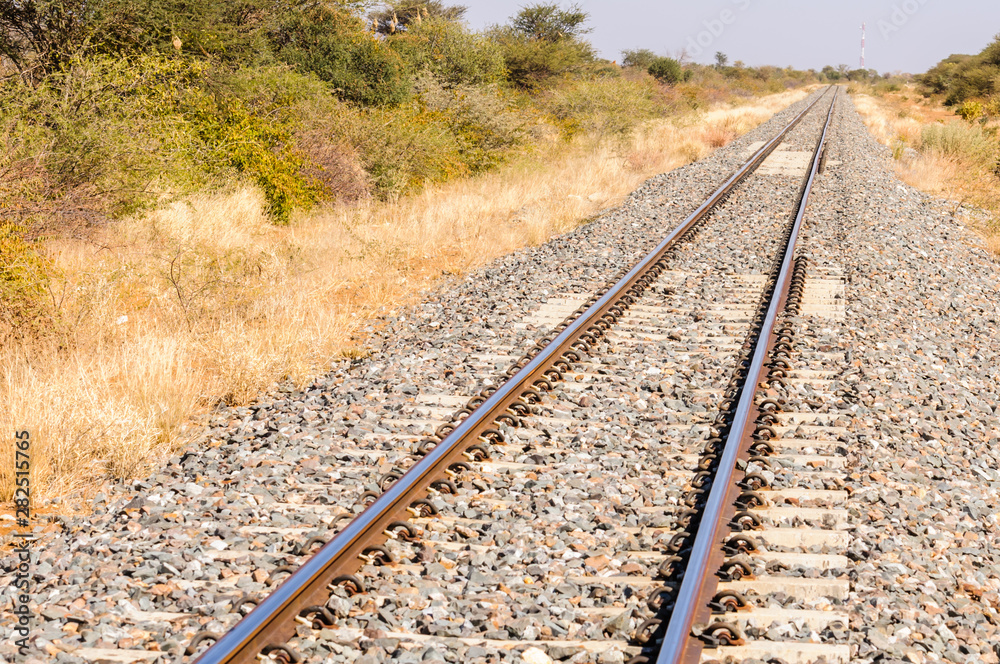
711, 531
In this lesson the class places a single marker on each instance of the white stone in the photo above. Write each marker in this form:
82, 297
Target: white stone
535, 656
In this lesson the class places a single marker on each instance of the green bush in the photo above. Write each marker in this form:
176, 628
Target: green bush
532, 63
103, 132
831, 74
666, 70
548, 22
543, 42
445, 132
118, 133
607, 106
485, 125
41, 36
970, 111
262, 151
206, 29
961, 78
403, 148
451, 52
886, 87
334, 45
861, 75
960, 140
641, 58
972, 82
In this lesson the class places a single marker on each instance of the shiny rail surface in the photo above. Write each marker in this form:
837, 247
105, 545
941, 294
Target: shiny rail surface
699, 577
301, 596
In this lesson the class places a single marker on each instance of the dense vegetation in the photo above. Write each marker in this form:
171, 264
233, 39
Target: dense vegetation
971, 83
112, 105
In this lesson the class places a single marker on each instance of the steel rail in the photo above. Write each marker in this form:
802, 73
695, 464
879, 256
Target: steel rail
272, 621
678, 645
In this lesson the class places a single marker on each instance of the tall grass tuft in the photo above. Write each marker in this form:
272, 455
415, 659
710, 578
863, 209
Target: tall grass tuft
938, 154
960, 140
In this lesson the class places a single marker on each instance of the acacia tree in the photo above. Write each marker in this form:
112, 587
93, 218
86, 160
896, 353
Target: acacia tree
543, 41
641, 58
547, 22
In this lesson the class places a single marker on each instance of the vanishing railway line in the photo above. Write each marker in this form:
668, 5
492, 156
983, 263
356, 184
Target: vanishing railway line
732, 544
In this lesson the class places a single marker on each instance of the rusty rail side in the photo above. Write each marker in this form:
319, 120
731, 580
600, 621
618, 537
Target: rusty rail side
699, 581
272, 621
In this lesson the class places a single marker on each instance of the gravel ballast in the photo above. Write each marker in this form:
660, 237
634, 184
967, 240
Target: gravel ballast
609, 451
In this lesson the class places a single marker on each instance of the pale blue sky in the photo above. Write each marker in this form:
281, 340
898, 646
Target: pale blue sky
906, 35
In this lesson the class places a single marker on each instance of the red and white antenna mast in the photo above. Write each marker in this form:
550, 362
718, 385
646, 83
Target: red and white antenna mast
863, 26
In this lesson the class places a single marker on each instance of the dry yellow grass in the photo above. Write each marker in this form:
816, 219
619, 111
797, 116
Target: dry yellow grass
898, 121
205, 301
